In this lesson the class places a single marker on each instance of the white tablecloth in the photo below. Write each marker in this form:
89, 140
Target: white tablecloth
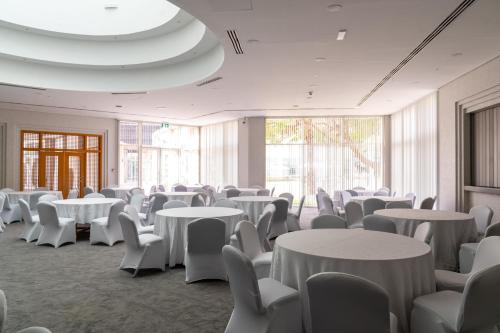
171, 224
15, 196
187, 197
360, 199
253, 206
401, 265
84, 210
450, 230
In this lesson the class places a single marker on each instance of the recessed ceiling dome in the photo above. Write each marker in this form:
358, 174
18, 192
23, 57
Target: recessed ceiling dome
91, 45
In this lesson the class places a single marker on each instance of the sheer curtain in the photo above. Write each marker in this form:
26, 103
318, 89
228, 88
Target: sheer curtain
219, 154
414, 148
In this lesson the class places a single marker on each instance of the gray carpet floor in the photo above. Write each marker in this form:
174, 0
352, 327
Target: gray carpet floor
79, 288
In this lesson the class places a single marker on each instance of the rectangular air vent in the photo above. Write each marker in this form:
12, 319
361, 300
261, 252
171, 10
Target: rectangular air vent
130, 93
233, 37
212, 80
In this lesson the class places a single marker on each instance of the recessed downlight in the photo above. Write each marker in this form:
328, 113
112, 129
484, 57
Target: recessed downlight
111, 6
341, 34
333, 8
118, 106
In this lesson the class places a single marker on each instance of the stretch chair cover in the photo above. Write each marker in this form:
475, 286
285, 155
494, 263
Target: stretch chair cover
88, 190
156, 203
108, 192
289, 197
203, 258
132, 213
262, 227
141, 251
354, 215
107, 230
379, 223
278, 222
483, 216
470, 249
487, 256
423, 232
55, 230
371, 205
412, 197
398, 204
180, 188
250, 245
174, 204
32, 227
2, 200
94, 195
475, 310
232, 192
34, 198
427, 203
260, 306
3, 318
10, 212
328, 222
137, 201
47, 197
225, 203
346, 303
293, 219
73, 194
326, 204
197, 201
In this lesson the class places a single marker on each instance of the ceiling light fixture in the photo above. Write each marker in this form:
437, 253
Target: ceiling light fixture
319, 59
111, 6
333, 8
341, 34
457, 54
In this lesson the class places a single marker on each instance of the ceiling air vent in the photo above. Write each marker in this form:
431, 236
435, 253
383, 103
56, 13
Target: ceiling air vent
18, 86
130, 93
212, 80
443, 25
235, 41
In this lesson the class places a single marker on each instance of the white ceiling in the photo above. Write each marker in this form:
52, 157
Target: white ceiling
275, 74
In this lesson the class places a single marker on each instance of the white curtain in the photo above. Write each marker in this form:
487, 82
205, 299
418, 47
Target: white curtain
219, 154
414, 148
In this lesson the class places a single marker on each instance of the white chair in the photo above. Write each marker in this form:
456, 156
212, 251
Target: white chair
412, 197
423, 232
227, 187
326, 204
180, 188
272, 191
289, 197
203, 259
137, 201
359, 188
468, 250
257, 187
136, 190
108, 193
346, 303
55, 230
141, 251
371, 205
262, 227
232, 192
2, 201
156, 203
278, 224
161, 188
247, 194
380, 194
293, 219
398, 204
487, 255
34, 198
10, 212
3, 318
88, 190
263, 193
73, 194
197, 201
354, 215
47, 198
474, 310
32, 227
225, 203
385, 189
41, 188
379, 223
134, 215
250, 245
345, 198
428, 203
260, 306
94, 195
174, 204
107, 229
328, 222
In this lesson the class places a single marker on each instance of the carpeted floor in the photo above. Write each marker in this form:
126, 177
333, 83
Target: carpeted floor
79, 288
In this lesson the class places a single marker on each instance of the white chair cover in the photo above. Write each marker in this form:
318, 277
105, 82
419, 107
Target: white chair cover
232, 192
156, 203
278, 222
423, 232
197, 201
483, 216
379, 223
398, 204
412, 197
250, 245
34, 198
141, 251
289, 197
48, 198
137, 200
108, 192
73, 194
55, 230
264, 193
328, 222
32, 227
203, 258
107, 230
10, 212
354, 215
180, 188
134, 215
427, 203
87, 190
225, 203
293, 219
371, 205
260, 306
175, 204
2, 201
94, 195
346, 303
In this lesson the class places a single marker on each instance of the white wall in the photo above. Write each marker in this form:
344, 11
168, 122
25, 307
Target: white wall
481, 78
18, 120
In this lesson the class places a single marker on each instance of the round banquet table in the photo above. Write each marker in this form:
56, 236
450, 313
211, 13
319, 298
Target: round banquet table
386, 199
170, 224
187, 197
449, 231
253, 206
25, 195
401, 265
84, 210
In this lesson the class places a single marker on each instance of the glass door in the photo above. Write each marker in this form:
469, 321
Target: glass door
74, 172
51, 170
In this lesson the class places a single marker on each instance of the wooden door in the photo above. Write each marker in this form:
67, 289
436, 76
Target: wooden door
51, 170
74, 173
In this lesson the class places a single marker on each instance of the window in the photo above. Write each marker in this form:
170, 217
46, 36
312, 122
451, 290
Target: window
153, 153
335, 153
414, 149
219, 154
